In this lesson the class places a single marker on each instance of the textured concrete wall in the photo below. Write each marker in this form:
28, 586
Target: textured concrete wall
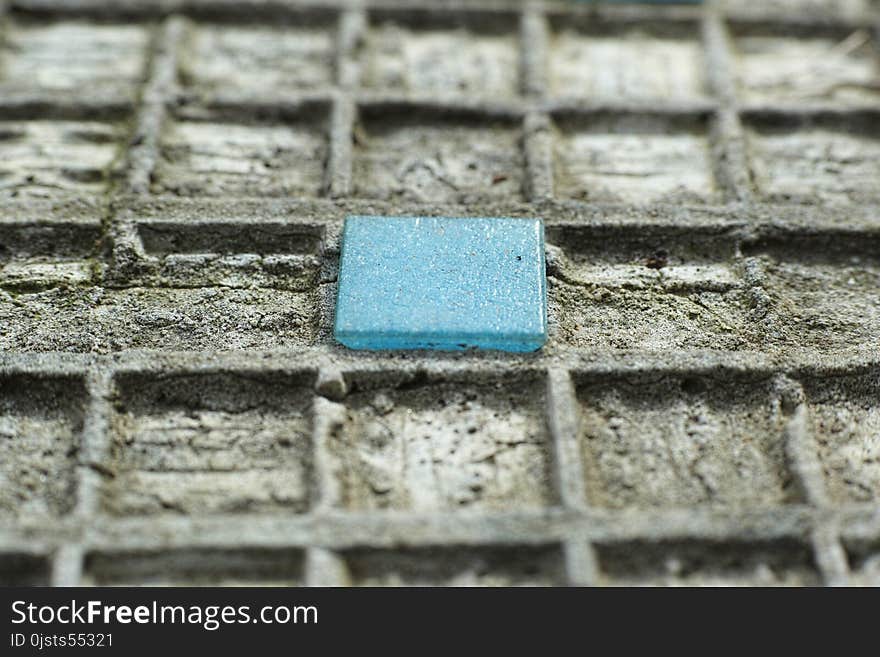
173, 181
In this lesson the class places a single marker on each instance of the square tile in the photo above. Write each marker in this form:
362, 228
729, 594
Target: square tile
442, 283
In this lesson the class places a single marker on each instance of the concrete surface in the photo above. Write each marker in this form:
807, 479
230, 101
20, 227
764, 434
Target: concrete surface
173, 180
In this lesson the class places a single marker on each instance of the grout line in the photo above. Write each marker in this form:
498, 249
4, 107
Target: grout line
764, 219
67, 565
328, 417
6, 29
580, 560
351, 33
157, 93
805, 462
326, 310
802, 455
800, 447
534, 39
537, 126
563, 423
343, 114
718, 57
730, 156
582, 568
324, 568
538, 143
830, 555
589, 362
95, 448
5, 21
339, 162
340, 530
727, 134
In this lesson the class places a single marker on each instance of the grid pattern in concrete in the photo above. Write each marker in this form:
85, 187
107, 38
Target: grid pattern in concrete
173, 180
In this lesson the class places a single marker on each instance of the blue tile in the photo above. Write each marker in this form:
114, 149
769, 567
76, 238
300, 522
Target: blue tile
442, 283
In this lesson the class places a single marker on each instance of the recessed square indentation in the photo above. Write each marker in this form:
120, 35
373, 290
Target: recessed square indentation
838, 66
210, 443
672, 441
430, 55
74, 57
420, 158
283, 255
608, 61
442, 283
204, 155
40, 256
41, 419
824, 290
634, 159
101, 320
844, 413
864, 561
264, 60
652, 288
821, 159
781, 562
444, 446
815, 9
456, 566
50, 158
24, 569
196, 567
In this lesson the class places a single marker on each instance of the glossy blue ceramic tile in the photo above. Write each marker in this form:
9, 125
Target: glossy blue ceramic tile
442, 283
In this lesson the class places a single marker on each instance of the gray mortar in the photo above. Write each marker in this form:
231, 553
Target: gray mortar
443, 447
720, 442
171, 398
210, 444
41, 420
